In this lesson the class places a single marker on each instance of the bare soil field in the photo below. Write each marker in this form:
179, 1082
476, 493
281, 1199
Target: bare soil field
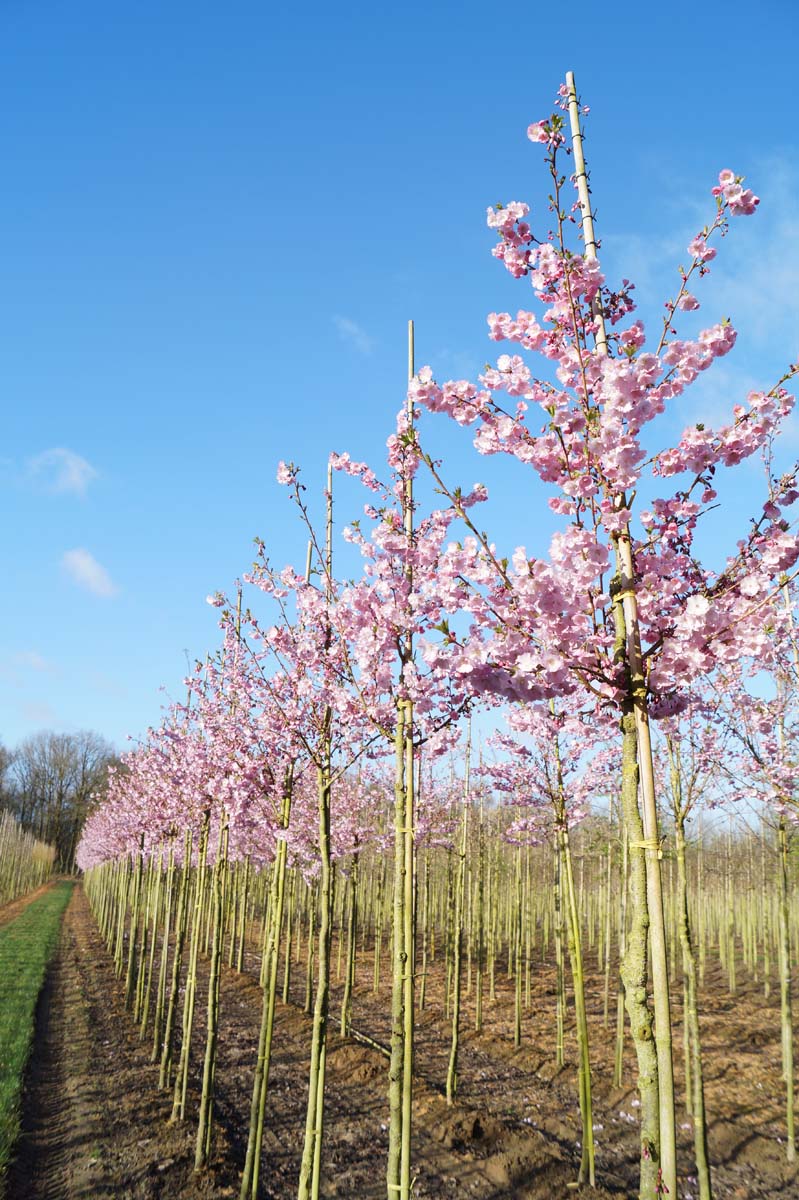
95, 1126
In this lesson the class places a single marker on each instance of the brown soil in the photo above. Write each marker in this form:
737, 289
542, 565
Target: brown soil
10, 911
95, 1125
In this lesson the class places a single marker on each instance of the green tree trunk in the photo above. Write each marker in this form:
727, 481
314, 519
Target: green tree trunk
692, 1020
312, 1149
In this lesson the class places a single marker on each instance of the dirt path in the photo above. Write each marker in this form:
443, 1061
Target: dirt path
10, 911
93, 1123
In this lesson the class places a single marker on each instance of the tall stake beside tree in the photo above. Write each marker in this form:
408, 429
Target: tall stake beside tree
277, 891
629, 635
205, 1123
217, 916
686, 783
310, 1167
573, 941
457, 927
790, 681
398, 1172
409, 989
190, 995
166, 1048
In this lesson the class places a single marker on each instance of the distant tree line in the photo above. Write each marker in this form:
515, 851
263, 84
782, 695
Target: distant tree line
48, 781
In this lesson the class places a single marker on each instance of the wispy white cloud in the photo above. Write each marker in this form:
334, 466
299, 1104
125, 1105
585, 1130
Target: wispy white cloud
38, 712
84, 570
17, 670
108, 686
62, 471
754, 280
648, 262
456, 364
32, 660
760, 286
350, 331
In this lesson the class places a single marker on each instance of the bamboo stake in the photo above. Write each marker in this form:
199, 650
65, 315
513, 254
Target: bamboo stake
457, 934
667, 1140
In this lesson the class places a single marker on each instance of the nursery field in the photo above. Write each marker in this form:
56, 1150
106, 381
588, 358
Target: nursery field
95, 1125
458, 869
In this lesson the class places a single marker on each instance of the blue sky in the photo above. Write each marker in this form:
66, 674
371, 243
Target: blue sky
215, 222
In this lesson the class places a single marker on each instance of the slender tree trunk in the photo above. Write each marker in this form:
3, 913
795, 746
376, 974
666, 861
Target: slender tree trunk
245, 895
634, 969
177, 962
160, 1001
635, 712
203, 1145
409, 981
618, 1063
289, 934
144, 941
252, 1162
381, 888
517, 1024
457, 941
584, 1059
312, 1149
352, 925
156, 913
785, 987
425, 930
133, 928
189, 999
560, 979
480, 933
399, 957
607, 939
692, 1020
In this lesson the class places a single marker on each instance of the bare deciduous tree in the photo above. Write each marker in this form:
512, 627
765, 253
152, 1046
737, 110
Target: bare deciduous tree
48, 781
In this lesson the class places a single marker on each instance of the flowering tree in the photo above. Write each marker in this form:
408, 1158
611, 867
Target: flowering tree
628, 618
400, 600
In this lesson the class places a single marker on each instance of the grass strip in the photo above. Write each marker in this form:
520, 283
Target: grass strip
26, 946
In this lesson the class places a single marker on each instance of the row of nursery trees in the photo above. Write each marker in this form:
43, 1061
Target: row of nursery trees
308, 777
25, 862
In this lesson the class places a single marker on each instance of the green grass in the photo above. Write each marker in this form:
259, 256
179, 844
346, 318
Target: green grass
26, 946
